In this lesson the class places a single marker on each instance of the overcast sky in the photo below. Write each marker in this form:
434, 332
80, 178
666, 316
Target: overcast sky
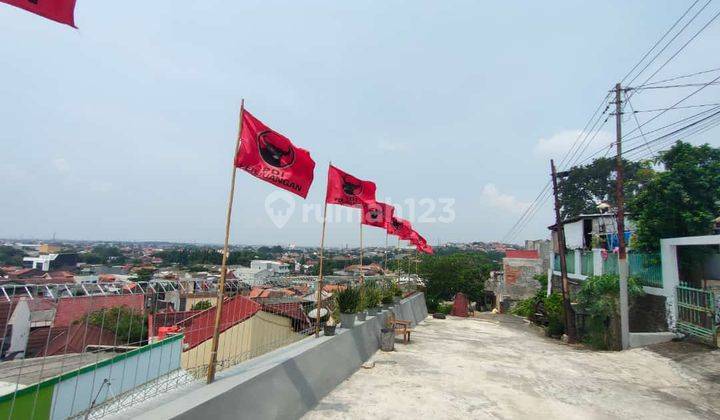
125, 128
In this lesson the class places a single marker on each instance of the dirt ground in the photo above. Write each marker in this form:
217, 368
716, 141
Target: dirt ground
498, 366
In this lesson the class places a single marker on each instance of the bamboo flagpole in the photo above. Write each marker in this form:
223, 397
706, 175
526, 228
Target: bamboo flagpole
397, 252
223, 268
319, 282
386, 248
362, 275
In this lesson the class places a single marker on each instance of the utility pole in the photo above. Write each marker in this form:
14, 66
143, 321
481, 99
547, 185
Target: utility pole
620, 198
560, 232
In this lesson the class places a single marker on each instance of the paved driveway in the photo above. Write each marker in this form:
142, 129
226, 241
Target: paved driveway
499, 367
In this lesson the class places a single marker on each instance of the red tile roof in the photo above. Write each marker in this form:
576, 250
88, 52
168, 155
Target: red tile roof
199, 328
71, 309
71, 339
515, 253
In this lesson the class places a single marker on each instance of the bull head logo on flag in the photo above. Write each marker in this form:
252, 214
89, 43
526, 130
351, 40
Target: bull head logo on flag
347, 190
351, 188
275, 150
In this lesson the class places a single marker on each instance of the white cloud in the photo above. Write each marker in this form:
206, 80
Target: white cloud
61, 165
505, 202
388, 146
558, 145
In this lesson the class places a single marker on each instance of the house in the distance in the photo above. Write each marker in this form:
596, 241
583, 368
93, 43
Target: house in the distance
517, 280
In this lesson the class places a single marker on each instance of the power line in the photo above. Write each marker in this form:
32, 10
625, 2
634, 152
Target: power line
530, 211
678, 131
677, 107
634, 114
658, 42
692, 19
671, 86
682, 77
676, 104
630, 139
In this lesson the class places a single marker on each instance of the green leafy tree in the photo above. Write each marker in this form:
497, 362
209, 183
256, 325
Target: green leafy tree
202, 305
446, 275
681, 200
145, 274
586, 186
11, 256
103, 254
130, 326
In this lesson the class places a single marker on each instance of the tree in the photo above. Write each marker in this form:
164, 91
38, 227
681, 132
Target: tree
11, 256
586, 186
446, 275
145, 274
681, 200
129, 325
202, 305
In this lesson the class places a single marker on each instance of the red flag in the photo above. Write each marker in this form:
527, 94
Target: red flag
377, 214
346, 190
272, 157
62, 11
421, 243
400, 227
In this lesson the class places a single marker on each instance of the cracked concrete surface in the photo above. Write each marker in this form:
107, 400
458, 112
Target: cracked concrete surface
497, 366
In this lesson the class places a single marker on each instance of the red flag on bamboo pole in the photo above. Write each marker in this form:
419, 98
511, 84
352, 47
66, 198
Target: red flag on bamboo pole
420, 243
347, 190
62, 11
377, 214
272, 157
400, 228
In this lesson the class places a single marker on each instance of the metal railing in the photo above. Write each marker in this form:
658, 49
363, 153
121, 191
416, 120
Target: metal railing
81, 350
89, 350
647, 268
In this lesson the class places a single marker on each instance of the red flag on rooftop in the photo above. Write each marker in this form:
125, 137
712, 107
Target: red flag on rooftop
421, 244
270, 156
346, 190
377, 214
400, 227
62, 11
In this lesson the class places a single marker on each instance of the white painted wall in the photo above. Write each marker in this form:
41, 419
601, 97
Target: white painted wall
76, 394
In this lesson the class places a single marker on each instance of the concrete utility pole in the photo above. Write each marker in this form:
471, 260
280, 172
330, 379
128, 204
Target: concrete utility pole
620, 198
570, 329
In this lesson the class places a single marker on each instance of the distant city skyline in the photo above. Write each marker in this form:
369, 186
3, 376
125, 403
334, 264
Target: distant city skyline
125, 128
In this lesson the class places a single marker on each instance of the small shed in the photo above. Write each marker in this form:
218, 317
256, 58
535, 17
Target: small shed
460, 305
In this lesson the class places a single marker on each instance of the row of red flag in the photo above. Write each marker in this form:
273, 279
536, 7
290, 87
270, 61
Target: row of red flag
272, 157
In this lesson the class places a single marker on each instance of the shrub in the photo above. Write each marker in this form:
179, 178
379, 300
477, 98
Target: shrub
444, 308
555, 314
348, 300
395, 289
525, 307
372, 295
201, 306
599, 299
387, 295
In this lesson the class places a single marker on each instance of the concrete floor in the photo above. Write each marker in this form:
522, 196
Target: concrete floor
496, 366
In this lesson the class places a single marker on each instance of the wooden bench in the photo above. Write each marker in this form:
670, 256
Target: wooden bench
402, 327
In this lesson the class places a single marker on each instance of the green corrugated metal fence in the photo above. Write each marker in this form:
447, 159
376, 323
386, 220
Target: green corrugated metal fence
647, 268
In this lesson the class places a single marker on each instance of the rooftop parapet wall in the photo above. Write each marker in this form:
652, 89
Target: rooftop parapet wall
284, 383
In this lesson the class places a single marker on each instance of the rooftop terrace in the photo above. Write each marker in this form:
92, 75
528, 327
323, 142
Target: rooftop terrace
497, 366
